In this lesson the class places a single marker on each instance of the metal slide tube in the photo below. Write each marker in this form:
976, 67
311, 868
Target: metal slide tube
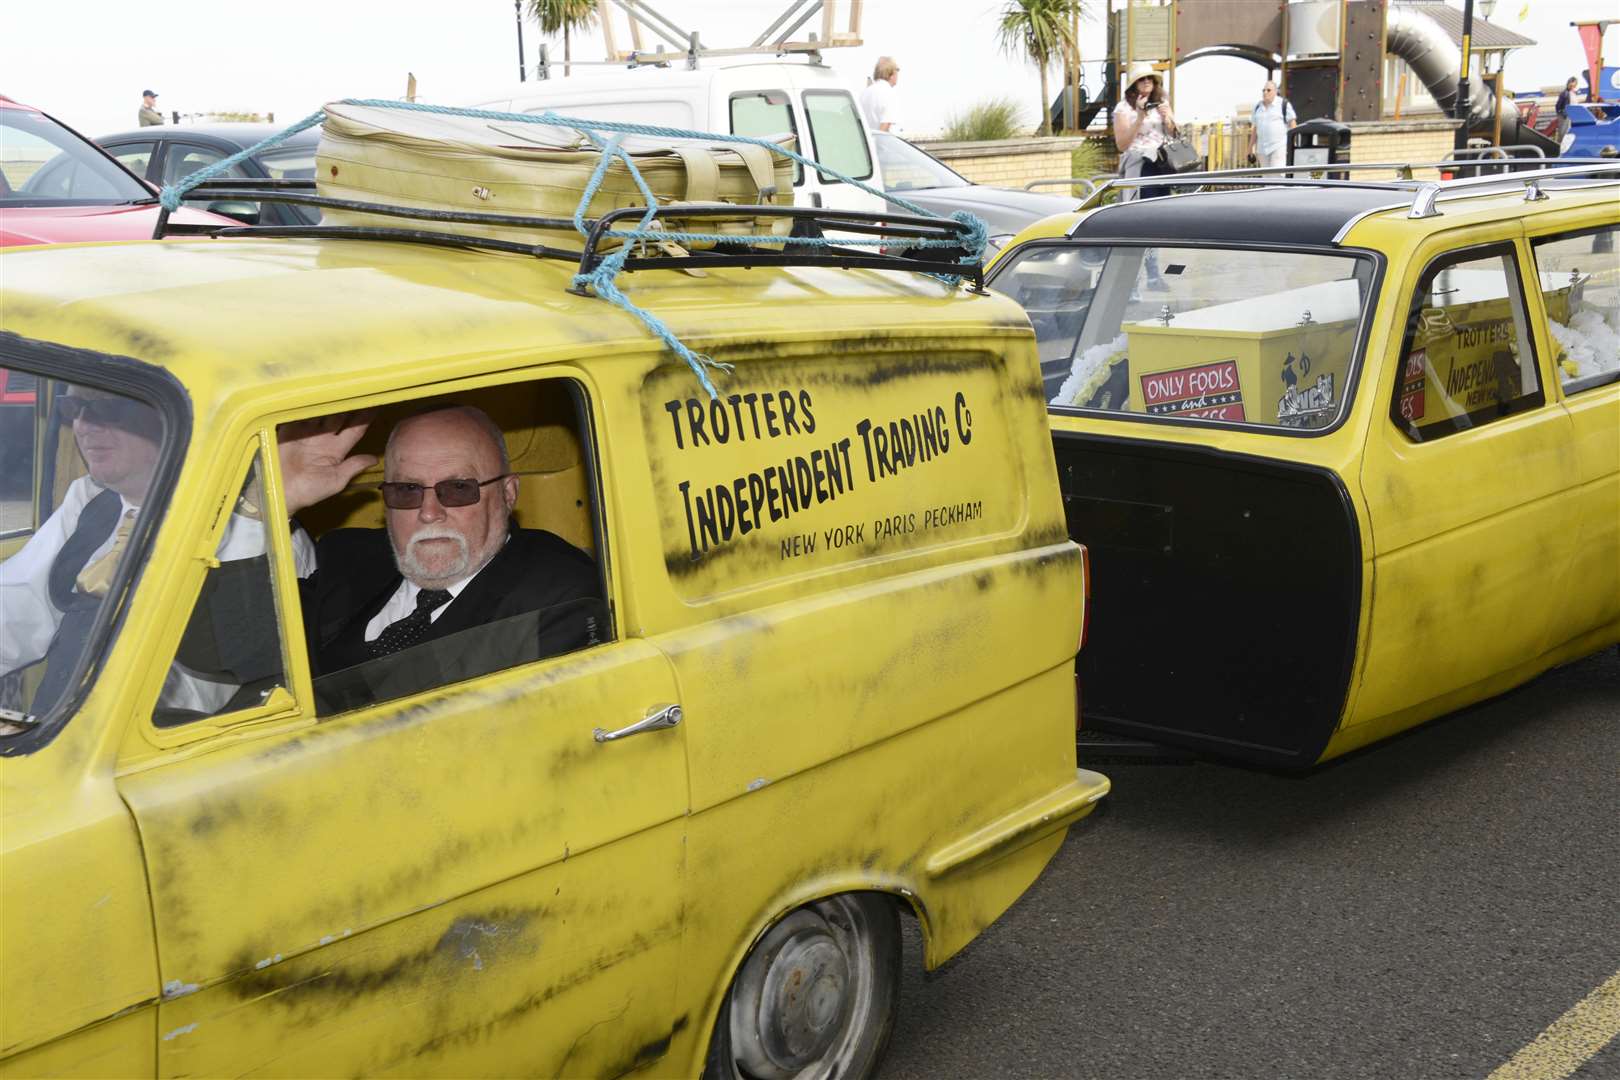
1435, 59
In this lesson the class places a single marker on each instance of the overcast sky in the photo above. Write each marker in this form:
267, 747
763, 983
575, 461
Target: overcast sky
86, 61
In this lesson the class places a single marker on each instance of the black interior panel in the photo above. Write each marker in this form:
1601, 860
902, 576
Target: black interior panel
1225, 594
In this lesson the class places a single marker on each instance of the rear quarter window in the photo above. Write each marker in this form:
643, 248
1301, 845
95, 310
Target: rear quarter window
809, 465
1580, 290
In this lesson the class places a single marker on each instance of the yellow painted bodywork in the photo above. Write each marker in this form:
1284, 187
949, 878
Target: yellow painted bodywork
463, 882
1488, 556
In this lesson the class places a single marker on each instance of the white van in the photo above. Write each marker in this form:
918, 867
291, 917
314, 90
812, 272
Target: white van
806, 100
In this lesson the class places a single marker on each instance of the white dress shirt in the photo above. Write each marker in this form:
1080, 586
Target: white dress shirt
403, 603
29, 621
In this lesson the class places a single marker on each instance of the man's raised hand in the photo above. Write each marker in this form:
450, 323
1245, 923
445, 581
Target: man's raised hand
316, 462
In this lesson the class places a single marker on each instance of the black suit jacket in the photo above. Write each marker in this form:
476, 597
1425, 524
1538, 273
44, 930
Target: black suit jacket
539, 596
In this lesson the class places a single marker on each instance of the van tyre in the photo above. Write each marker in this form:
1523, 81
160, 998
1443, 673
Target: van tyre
816, 996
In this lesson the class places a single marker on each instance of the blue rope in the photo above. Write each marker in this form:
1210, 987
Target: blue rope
171, 194
602, 281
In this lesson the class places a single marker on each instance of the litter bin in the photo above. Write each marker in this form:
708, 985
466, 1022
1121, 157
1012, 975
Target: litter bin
1318, 143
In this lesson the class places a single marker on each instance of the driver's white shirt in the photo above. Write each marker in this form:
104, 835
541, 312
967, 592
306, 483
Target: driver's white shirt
30, 620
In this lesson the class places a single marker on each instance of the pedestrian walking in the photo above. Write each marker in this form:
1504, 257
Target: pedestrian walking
150, 117
1562, 109
877, 100
1143, 123
1273, 117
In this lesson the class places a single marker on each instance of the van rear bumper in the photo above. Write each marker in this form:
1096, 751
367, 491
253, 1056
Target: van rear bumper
1025, 825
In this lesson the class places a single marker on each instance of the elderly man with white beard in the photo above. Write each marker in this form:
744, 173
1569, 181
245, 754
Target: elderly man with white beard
449, 559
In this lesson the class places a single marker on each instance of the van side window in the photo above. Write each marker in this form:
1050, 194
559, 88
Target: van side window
764, 113
836, 131
472, 546
230, 656
1582, 298
1467, 357
96, 461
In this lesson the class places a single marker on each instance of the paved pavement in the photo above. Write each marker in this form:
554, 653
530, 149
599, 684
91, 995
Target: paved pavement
1422, 909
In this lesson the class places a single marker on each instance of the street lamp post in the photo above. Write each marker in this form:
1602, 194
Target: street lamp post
1461, 141
517, 9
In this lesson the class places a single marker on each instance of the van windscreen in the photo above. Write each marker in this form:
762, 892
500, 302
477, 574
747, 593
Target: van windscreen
837, 133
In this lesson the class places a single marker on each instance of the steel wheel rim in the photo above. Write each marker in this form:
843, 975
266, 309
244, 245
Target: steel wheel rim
804, 999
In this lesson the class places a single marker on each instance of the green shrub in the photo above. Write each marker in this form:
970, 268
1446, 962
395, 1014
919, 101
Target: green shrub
1088, 159
989, 120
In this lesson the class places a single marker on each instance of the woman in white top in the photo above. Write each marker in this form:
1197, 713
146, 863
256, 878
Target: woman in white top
1143, 123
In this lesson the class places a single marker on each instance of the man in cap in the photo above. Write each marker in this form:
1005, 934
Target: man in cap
52, 589
150, 117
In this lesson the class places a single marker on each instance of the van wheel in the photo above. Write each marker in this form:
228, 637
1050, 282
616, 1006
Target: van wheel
816, 996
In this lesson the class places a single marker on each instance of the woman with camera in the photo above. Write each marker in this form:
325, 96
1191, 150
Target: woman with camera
1143, 123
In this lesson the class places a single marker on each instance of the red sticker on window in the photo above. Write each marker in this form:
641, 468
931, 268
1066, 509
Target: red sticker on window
1210, 391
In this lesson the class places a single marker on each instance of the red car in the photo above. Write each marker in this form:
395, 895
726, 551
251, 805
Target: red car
58, 187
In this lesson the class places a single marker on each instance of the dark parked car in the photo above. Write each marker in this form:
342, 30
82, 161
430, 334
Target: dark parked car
919, 177
165, 154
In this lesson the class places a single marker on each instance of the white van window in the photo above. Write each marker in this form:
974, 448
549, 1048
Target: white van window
838, 136
766, 113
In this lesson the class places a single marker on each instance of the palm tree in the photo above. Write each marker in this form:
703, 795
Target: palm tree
1040, 30
563, 16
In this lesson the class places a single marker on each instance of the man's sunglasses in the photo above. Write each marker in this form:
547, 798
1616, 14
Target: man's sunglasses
453, 492
106, 412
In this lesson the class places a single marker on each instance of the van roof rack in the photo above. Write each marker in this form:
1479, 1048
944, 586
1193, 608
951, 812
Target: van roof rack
948, 241
776, 40
1526, 174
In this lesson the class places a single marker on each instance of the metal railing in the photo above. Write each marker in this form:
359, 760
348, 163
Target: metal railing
1425, 193
1087, 182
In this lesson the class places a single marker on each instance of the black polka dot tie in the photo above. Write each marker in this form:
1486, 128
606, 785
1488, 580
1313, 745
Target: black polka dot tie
409, 630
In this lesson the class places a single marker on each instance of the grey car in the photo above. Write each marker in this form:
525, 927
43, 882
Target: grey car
919, 177
162, 155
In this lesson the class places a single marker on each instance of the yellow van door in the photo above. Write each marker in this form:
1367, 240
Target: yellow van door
460, 882
1468, 477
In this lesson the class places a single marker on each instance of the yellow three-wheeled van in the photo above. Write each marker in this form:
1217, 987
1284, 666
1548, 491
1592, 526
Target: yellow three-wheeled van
409, 668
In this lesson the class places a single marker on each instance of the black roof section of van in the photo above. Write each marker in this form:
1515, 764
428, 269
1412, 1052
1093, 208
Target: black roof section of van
1287, 216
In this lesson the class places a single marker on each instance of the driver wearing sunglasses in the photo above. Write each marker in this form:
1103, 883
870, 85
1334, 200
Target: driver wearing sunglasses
449, 557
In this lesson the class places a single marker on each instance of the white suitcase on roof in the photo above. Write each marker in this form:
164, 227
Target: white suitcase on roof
436, 161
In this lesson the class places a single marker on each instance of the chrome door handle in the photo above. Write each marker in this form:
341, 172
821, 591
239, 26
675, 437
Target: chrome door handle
667, 717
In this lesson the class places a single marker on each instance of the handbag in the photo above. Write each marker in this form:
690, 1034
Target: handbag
1178, 156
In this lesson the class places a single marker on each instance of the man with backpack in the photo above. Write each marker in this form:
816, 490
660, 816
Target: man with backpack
1270, 121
